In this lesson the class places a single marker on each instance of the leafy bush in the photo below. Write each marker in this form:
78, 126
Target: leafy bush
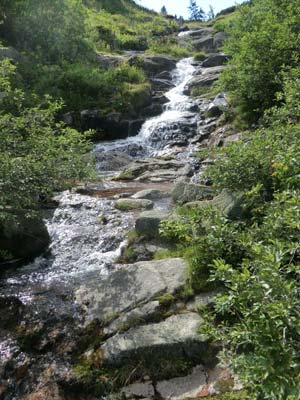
259, 311
263, 40
265, 159
37, 154
82, 86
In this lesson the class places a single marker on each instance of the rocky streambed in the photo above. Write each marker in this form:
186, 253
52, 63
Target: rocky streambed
97, 313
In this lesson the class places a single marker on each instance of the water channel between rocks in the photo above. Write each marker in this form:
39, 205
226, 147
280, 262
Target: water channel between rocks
82, 245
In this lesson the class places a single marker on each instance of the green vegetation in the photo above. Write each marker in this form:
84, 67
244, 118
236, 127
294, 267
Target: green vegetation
61, 42
37, 154
254, 259
265, 44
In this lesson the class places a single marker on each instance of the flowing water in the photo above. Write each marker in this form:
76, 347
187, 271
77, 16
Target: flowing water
87, 233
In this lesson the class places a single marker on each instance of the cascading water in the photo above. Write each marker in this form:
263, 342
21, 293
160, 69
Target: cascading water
156, 131
88, 232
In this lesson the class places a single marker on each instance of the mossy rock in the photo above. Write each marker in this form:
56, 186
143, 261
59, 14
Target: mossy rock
133, 204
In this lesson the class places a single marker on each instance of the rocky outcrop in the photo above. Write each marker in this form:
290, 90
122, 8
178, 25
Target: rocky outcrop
107, 61
206, 44
217, 106
110, 126
154, 170
147, 223
186, 192
177, 335
152, 65
30, 231
207, 77
130, 286
215, 60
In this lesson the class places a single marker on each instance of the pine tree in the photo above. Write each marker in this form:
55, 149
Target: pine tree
163, 10
211, 12
196, 12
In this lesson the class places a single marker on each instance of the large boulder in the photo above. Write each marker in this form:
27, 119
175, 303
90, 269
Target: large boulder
219, 39
230, 204
207, 78
215, 60
107, 61
177, 336
147, 224
200, 33
217, 106
152, 65
23, 237
206, 43
11, 53
185, 192
112, 160
110, 126
130, 286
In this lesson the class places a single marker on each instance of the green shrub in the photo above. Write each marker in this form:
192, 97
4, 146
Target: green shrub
37, 154
83, 86
263, 40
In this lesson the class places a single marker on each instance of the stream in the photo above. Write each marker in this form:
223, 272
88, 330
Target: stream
88, 233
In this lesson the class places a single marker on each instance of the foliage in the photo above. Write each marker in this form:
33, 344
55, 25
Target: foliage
264, 39
261, 164
83, 86
37, 154
196, 12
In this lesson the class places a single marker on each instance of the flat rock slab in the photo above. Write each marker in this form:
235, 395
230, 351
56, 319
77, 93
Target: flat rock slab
187, 387
150, 194
133, 204
130, 286
176, 336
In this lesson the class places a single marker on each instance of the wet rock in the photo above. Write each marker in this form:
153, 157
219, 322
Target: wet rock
148, 222
135, 317
214, 60
11, 311
150, 194
145, 169
135, 126
23, 237
133, 204
112, 160
130, 286
152, 65
110, 126
217, 106
153, 110
187, 387
160, 99
186, 192
177, 335
164, 75
162, 84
